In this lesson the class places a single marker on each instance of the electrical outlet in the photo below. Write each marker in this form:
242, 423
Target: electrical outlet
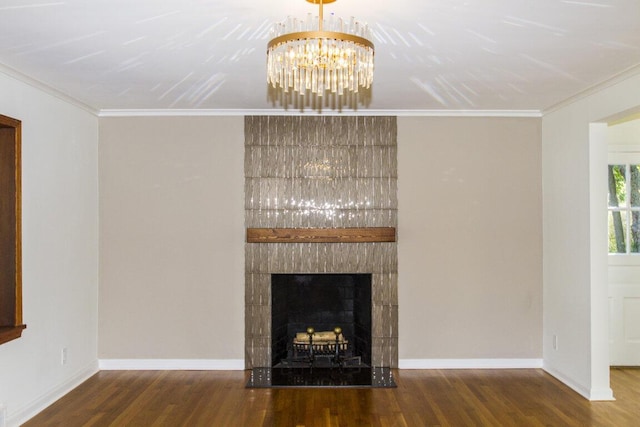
63, 356
555, 342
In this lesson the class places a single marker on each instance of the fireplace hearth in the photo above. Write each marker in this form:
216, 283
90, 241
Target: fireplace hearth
357, 377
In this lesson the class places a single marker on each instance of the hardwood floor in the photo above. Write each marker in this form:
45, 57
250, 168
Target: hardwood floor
423, 398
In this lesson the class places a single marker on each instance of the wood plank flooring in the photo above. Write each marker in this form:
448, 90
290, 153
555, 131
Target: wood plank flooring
423, 398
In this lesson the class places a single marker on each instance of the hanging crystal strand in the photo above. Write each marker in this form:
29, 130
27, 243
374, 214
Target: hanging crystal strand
308, 53
353, 71
290, 75
349, 75
285, 84
285, 69
355, 82
362, 71
299, 54
327, 79
355, 67
309, 22
334, 80
345, 79
307, 78
285, 73
320, 82
314, 80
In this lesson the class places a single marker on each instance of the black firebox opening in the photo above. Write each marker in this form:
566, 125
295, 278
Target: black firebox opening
321, 301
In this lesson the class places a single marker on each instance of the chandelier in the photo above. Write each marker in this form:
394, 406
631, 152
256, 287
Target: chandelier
316, 56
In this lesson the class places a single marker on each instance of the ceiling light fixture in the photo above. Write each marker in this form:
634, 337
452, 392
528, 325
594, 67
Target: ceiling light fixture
302, 56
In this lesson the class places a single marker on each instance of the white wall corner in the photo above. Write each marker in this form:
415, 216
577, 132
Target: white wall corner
592, 394
470, 363
22, 415
601, 394
171, 364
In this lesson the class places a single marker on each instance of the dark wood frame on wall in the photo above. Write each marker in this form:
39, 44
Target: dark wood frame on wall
11, 325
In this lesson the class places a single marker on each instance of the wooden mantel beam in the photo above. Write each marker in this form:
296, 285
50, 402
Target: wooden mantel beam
321, 235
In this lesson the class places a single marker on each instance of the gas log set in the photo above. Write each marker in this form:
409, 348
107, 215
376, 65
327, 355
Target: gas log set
324, 348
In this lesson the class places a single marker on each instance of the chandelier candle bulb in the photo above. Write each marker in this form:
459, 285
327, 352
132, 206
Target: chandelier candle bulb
304, 57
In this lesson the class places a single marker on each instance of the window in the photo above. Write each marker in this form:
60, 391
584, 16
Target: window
10, 230
624, 208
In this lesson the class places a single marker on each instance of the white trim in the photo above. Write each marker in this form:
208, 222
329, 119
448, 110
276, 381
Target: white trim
470, 363
590, 394
605, 394
46, 89
624, 149
624, 260
276, 112
620, 77
171, 364
33, 408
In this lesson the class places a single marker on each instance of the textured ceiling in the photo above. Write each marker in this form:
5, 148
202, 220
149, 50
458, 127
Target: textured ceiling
430, 54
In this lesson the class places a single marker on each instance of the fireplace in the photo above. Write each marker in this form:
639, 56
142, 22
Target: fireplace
314, 174
322, 302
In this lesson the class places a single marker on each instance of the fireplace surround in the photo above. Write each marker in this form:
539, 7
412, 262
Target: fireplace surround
325, 173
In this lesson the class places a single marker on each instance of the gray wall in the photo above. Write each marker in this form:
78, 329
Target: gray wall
172, 238
470, 238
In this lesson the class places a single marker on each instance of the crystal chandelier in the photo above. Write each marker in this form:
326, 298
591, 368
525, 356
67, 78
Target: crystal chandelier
315, 56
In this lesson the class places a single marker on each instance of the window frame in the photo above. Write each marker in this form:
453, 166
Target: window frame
11, 325
624, 155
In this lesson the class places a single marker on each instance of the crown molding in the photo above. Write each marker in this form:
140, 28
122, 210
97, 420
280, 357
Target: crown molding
262, 112
630, 72
37, 84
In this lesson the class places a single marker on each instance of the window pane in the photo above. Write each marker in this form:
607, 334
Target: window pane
635, 185
617, 188
635, 232
617, 227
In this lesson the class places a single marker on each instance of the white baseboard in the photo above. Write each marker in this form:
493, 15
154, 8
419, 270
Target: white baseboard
590, 394
32, 409
470, 363
605, 394
171, 364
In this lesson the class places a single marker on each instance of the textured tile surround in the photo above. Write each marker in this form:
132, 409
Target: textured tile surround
321, 172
